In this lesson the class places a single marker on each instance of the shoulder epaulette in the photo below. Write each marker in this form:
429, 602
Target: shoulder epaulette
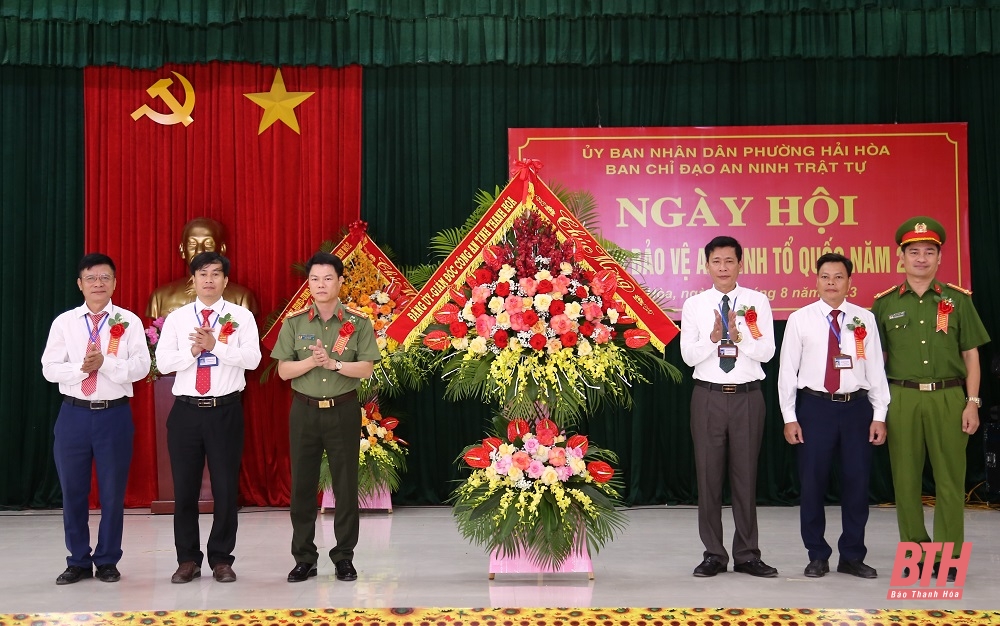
967, 292
886, 292
354, 311
299, 312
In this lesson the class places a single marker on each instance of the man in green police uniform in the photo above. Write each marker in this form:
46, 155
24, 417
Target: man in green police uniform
325, 350
930, 334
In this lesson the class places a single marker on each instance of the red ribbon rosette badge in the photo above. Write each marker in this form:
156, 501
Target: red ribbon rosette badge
860, 332
344, 336
945, 307
228, 327
117, 330
750, 315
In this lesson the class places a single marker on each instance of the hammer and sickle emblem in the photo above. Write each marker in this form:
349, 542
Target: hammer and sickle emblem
181, 113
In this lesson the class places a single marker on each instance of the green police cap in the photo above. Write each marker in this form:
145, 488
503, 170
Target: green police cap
920, 228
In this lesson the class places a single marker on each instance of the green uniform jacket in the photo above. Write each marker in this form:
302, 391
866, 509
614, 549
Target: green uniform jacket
914, 350
302, 328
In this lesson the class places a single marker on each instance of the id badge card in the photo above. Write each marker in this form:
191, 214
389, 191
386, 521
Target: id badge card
207, 359
728, 350
843, 362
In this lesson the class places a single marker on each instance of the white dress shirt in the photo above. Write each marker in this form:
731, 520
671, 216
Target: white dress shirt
241, 353
804, 357
66, 348
698, 350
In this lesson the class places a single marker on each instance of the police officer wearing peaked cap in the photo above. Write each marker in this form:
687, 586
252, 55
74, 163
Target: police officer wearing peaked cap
931, 335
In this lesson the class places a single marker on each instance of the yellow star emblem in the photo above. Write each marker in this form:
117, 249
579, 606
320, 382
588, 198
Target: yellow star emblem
279, 104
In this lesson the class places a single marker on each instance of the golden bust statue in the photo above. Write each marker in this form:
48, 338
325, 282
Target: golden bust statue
200, 235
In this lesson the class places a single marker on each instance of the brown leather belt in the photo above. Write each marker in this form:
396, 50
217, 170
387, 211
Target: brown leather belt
210, 402
326, 403
753, 385
95, 405
837, 397
932, 386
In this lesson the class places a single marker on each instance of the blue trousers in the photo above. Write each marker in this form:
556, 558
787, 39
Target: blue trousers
85, 438
834, 430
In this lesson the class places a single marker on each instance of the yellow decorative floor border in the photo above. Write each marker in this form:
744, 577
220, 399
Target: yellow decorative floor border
516, 617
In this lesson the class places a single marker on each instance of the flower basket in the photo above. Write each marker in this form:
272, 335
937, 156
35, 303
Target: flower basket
152, 338
535, 494
383, 456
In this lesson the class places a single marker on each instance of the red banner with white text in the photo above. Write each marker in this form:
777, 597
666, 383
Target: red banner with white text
788, 194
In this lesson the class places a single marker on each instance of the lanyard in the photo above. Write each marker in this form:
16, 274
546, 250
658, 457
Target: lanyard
94, 333
836, 333
198, 317
725, 318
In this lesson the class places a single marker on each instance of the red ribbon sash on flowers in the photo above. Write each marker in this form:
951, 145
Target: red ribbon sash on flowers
525, 190
357, 241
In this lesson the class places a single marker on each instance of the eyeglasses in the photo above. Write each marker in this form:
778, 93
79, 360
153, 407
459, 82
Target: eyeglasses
103, 278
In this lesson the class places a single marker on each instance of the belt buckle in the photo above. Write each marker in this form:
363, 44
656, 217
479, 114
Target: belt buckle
206, 403
729, 389
840, 397
927, 386
98, 404
324, 404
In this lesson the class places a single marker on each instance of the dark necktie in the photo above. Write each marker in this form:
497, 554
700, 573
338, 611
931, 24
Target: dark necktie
203, 377
832, 379
727, 363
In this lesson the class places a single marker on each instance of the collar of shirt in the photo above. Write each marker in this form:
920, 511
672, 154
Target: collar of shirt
83, 309
733, 295
935, 286
338, 311
200, 306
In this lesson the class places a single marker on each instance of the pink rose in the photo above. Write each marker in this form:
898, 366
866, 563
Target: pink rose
561, 324
564, 472
592, 311
482, 293
517, 323
603, 334
521, 460
485, 325
528, 286
535, 469
560, 284
557, 457
513, 304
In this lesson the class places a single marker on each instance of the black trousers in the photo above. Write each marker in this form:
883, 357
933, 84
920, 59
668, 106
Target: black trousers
834, 430
195, 435
338, 431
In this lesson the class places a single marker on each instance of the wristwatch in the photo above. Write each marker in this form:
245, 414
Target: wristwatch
976, 399
339, 365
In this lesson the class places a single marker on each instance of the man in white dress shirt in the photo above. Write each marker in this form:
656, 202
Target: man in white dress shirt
95, 352
210, 343
834, 396
726, 334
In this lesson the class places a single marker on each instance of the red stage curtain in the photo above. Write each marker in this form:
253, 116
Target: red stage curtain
279, 194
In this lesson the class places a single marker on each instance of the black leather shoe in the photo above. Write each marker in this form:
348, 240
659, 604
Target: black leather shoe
709, 567
756, 567
302, 572
856, 567
345, 570
74, 574
186, 572
108, 573
952, 573
817, 568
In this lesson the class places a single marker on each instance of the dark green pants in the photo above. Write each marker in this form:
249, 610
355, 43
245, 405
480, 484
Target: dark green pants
921, 425
311, 431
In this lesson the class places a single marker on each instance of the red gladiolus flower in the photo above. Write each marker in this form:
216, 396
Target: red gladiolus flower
636, 337
600, 471
578, 441
503, 289
437, 340
537, 341
517, 429
500, 338
558, 307
544, 286
458, 329
478, 457
119, 329
389, 423
492, 443
446, 314
568, 339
